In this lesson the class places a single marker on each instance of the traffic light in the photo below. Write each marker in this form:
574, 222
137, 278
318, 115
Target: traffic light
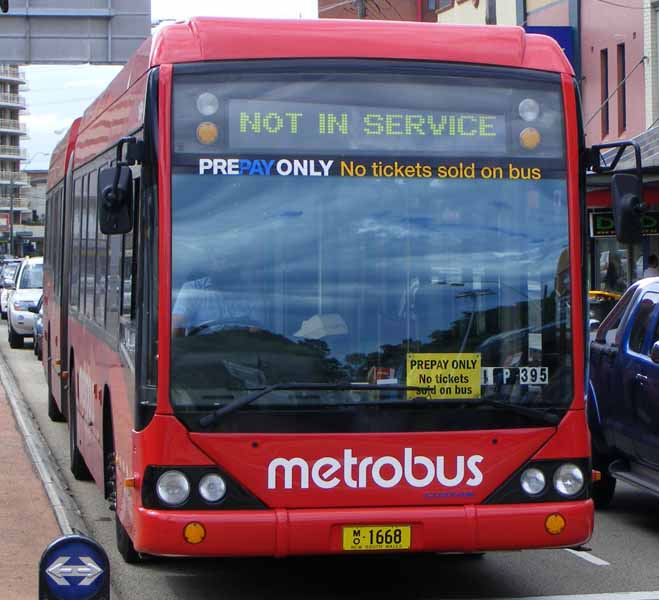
4, 5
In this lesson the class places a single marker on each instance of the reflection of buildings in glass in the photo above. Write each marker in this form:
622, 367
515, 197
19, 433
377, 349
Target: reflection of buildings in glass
562, 286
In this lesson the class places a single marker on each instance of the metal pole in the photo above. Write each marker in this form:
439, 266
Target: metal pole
11, 216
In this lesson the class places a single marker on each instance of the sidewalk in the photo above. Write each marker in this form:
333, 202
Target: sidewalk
27, 522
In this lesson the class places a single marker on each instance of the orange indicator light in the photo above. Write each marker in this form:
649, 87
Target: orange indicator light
597, 475
555, 524
529, 138
194, 533
207, 132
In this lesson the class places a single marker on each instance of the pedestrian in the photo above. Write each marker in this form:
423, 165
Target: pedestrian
652, 269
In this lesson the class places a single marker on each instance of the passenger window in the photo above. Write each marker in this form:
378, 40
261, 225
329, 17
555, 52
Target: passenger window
130, 254
641, 322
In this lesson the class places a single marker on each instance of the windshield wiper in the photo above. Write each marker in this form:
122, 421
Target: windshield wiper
527, 411
212, 418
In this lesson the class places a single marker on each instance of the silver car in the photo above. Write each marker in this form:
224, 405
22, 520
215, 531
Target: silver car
23, 296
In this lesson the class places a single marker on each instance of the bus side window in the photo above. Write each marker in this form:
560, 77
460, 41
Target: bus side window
130, 253
92, 228
114, 285
101, 259
75, 253
84, 244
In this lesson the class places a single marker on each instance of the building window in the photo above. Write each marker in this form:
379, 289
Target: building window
432, 4
604, 94
622, 90
444, 4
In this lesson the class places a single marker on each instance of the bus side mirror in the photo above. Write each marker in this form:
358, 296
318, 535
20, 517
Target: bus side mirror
115, 200
627, 201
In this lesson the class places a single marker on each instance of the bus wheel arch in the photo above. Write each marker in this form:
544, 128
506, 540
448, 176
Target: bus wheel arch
54, 412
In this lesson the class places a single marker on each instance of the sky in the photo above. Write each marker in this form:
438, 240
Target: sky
56, 95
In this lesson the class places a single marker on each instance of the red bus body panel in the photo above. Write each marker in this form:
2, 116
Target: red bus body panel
52, 323
310, 520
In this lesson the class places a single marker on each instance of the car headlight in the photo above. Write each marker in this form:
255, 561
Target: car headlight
212, 488
23, 305
568, 480
533, 481
173, 488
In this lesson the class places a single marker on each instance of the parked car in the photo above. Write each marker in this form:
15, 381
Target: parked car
25, 294
623, 399
7, 277
37, 328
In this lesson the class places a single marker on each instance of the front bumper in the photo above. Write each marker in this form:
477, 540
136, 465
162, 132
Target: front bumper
22, 322
283, 532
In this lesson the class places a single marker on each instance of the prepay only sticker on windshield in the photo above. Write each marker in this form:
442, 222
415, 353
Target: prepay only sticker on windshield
444, 375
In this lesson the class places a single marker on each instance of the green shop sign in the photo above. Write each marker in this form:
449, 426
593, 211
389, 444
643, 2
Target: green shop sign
601, 224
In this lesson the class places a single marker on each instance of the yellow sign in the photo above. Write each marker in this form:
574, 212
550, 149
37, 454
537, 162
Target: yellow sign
377, 537
446, 375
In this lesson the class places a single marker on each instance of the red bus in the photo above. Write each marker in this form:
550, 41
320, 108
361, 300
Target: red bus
323, 291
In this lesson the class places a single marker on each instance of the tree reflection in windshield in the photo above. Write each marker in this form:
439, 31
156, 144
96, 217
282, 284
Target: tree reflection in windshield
354, 274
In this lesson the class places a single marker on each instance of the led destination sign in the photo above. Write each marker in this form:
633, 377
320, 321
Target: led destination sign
300, 126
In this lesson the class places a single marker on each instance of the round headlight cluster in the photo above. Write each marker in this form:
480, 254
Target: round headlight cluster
568, 480
173, 488
212, 488
533, 481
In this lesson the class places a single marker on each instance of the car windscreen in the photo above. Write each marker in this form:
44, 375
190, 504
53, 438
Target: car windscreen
31, 277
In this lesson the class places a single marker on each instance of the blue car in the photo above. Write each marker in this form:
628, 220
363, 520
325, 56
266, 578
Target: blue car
37, 328
623, 399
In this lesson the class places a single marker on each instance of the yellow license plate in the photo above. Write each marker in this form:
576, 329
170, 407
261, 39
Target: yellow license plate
377, 537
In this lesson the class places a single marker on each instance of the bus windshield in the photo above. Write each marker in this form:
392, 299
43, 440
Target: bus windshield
356, 228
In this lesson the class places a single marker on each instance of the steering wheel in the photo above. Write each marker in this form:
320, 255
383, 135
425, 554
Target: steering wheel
221, 324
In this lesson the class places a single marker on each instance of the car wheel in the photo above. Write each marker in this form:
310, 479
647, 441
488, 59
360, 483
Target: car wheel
602, 490
15, 340
76, 461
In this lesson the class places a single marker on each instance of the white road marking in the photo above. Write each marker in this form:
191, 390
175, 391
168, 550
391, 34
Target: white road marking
591, 558
614, 596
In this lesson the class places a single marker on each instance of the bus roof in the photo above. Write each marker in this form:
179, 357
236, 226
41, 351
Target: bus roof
206, 39
59, 158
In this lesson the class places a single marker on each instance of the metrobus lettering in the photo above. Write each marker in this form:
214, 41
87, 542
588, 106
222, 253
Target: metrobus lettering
285, 167
385, 472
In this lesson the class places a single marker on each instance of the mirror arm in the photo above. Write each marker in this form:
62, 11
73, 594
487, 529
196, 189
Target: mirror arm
595, 152
118, 164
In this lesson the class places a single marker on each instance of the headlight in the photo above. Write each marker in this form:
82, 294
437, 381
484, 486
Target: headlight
532, 481
173, 488
23, 305
212, 488
568, 480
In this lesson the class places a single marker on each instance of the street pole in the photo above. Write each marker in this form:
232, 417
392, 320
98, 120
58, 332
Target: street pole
12, 188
